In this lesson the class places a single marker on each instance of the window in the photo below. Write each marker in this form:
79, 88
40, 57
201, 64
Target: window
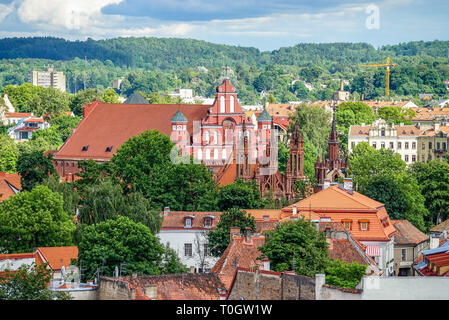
206, 250
444, 146
406, 145
382, 133
232, 104
363, 225
352, 145
215, 137
188, 249
430, 145
200, 154
438, 146
224, 154
413, 145
423, 145
399, 145
391, 145
382, 145
208, 222
406, 158
423, 158
404, 254
374, 145
215, 154
413, 158
222, 104
347, 224
188, 223
208, 154
206, 137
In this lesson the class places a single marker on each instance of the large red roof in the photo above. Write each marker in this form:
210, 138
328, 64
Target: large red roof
107, 124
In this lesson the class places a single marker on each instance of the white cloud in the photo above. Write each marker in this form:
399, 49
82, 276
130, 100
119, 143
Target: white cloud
68, 14
5, 10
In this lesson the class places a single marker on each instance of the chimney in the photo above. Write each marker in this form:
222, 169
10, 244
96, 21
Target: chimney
166, 211
341, 84
266, 264
436, 127
295, 210
444, 234
134, 275
151, 291
234, 230
222, 293
247, 234
348, 184
326, 184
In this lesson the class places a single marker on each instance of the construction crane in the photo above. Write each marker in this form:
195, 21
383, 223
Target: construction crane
387, 65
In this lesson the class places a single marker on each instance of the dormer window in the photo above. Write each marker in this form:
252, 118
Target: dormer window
109, 149
188, 221
347, 224
266, 218
208, 221
85, 148
363, 224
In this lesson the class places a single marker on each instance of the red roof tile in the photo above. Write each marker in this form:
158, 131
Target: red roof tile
408, 233
175, 219
114, 124
8, 181
56, 257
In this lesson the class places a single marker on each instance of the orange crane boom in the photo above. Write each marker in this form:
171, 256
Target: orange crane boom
387, 65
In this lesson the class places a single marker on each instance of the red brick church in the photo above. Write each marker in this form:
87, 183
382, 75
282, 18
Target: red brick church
220, 135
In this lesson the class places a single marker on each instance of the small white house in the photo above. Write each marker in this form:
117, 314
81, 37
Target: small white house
186, 233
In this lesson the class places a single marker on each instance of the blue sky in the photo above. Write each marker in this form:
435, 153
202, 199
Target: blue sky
267, 25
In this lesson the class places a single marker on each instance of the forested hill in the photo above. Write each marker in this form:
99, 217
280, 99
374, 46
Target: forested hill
173, 53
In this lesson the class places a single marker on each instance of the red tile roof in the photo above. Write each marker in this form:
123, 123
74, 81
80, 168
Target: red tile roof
11, 256
17, 114
56, 257
441, 227
188, 286
175, 220
114, 124
340, 205
408, 233
7, 181
406, 130
239, 253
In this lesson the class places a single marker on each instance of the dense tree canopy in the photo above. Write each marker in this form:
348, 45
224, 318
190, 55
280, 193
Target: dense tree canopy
29, 283
116, 241
9, 154
296, 246
34, 219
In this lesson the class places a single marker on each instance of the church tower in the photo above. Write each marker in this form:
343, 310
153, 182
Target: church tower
333, 144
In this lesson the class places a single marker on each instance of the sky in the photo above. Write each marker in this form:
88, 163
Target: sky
264, 24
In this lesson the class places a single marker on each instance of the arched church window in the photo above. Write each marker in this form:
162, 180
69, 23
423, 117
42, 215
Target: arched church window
222, 104
232, 105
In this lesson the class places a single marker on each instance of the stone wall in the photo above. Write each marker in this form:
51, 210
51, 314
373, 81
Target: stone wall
268, 285
114, 290
327, 292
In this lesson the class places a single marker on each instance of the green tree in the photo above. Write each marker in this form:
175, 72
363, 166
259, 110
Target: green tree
351, 113
143, 163
34, 168
34, 219
314, 123
366, 162
109, 96
433, 178
9, 154
296, 246
29, 283
70, 196
81, 98
108, 244
171, 263
396, 115
344, 275
218, 239
240, 194
105, 200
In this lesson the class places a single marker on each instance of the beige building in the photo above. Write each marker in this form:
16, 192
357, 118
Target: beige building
409, 242
433, 143
402, 139
48, 79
